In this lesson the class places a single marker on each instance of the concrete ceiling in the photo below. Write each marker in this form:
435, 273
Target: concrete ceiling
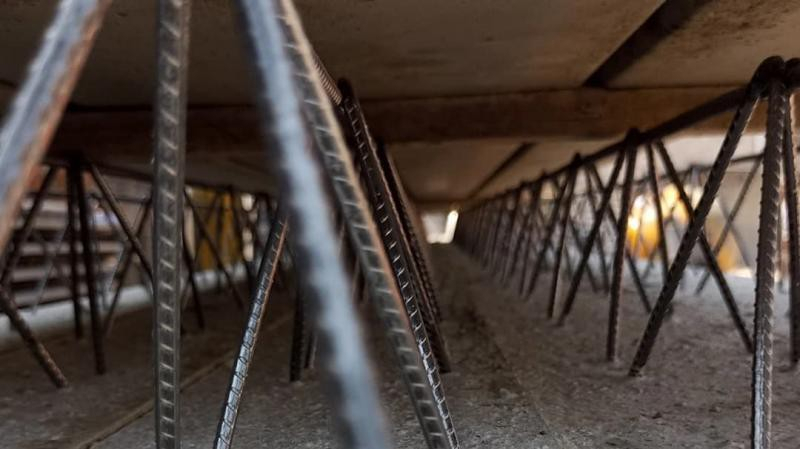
455, 85
721, 44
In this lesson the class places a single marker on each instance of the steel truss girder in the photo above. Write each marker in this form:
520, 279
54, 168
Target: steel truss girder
774, 79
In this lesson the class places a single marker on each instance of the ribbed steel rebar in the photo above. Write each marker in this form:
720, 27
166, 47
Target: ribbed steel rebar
790, 187
214, 250
282, 57
363, 232
765, 268
419, 250
127, 229
87, 243
729, 144
169, 155
562, 238
34, 344
597, 222
552, 222
707, 251
34, 114
619, 254
395, 241
729, 220
652, 178
244, 356
527, 245
601, 246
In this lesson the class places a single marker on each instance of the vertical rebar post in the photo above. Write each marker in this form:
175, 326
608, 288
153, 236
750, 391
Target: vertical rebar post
790, 186
597, 222
86, 231
631, 262
766, 70
214, 250
765, 269
562, 237
600, 239
528, 245
74, 281
663, 251
619, 254
168, 183
552, 222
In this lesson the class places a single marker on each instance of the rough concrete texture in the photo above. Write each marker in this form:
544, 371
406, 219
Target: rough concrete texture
721, 44
393, 49
34, 415
695, 392
489, 406
519, 381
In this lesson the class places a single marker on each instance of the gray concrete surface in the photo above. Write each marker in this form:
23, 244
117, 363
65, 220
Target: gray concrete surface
519, 381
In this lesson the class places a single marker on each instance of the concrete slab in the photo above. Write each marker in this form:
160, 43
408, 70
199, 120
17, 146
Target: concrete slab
390, 49
448, 171
722, 43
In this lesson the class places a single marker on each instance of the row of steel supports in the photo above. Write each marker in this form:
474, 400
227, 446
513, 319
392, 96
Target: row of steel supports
340, 205
535, 224
87, 195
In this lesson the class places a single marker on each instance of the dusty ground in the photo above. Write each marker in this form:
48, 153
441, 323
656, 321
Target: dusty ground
519, 381
695, 391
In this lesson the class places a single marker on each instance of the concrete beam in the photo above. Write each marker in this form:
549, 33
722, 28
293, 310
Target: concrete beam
577, 114
551, 115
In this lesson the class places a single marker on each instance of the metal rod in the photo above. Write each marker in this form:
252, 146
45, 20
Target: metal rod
790, 186
528, 244
662, 236
214, 250
72, 204
258, 304
597, 222
765, 271
563, 227
168, 187
619, 254
552, 222
88, 267
125, 265
730, 219
277, 41
632, 268
600, 239
436, 425
732, 137
133, 241
36, 110
36, 347
191, 282
21, 235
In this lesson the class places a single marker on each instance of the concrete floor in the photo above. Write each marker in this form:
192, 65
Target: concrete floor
518, 381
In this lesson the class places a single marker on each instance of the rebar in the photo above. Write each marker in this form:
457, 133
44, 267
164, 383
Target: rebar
765, 269
244, 356
36, 110
168, 184
729, 144
619, 255
277, 44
